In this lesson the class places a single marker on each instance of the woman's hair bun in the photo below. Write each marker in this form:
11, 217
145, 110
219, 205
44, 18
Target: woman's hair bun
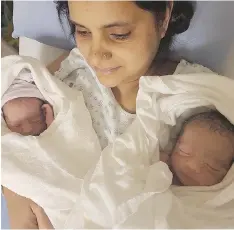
181, 16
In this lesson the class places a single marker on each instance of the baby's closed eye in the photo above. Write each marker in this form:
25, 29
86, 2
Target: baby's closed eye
184, 152
212, 167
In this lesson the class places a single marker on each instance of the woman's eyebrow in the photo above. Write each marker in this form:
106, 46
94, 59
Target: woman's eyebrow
114, 24
75, 23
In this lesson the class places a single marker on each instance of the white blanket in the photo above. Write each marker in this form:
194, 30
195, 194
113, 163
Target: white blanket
123, 189
49, 168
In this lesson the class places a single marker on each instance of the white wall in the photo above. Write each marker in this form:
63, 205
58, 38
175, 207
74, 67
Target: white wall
210, 38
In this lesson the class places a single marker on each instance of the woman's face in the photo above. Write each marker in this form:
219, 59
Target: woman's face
118, 39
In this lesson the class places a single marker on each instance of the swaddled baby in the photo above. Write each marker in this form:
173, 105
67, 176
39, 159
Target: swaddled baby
24, 108
204, 150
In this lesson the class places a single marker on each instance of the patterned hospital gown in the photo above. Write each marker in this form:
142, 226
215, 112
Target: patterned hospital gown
108, 117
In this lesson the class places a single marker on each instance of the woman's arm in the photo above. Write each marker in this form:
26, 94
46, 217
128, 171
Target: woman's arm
20, 212
54, 66
24, 213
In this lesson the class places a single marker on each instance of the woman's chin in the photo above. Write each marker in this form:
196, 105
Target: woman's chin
108, 80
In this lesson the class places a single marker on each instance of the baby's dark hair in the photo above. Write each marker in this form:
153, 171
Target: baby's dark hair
216, 121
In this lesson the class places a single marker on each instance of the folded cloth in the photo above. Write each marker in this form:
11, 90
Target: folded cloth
22, 86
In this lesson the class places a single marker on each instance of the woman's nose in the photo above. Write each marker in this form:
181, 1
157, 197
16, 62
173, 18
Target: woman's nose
98, 52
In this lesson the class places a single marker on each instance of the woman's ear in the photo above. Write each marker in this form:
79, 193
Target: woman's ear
163, 28
48, 113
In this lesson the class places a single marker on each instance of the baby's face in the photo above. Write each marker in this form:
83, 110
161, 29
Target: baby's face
25, 116
201, 157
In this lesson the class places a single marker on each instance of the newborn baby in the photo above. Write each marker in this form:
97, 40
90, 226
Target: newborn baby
24, 108
204, 150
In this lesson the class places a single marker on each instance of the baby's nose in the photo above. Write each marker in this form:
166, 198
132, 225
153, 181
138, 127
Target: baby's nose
194, 166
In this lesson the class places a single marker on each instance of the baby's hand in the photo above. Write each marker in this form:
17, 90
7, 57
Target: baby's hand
164, 157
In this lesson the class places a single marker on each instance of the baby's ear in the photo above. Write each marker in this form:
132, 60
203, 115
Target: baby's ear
48, 113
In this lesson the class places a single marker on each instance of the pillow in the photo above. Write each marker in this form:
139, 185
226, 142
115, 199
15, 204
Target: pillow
209, 40
39, 20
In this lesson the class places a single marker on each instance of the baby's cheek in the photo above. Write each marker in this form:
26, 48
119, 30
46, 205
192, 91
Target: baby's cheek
39, 128
15, 129
206, 179
176, 161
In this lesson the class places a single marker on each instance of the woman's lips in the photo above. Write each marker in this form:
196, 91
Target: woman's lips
106, 71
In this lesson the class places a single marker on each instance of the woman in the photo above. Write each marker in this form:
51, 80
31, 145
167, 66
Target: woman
121, 41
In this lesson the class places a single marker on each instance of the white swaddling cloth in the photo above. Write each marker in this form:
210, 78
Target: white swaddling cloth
123, 190
49, 169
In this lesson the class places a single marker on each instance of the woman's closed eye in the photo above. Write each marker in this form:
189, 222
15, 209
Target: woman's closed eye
120, 36
83, 33
87, 34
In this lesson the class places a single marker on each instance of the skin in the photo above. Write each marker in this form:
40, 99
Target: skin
201, 157
27, 116
107, 47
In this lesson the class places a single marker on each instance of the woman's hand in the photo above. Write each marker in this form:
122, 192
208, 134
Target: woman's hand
43, 221
24, 213
19, 211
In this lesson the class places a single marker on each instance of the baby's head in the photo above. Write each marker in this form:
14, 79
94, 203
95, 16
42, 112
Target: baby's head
204, 150
27, 115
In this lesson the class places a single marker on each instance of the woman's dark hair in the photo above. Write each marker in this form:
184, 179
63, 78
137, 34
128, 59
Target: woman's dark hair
181, 16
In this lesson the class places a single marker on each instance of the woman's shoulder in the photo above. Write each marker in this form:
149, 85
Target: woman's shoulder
186, 67
169, 67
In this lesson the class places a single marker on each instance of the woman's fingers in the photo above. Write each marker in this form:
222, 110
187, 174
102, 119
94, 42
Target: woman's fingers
42, 219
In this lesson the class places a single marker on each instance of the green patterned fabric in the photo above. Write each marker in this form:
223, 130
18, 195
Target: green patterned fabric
7, 23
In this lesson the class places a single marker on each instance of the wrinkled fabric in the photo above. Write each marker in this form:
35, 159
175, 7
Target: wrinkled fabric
120, 187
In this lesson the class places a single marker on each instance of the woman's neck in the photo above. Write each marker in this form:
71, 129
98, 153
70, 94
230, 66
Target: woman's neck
126, 94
